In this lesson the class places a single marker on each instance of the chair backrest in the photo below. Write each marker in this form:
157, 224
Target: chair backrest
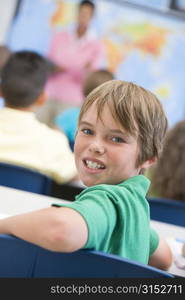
22, 259
167, 210
17, 257
91, 264
24, 179
66, 191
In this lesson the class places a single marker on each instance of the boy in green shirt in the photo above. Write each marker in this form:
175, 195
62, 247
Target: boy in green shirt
120, 133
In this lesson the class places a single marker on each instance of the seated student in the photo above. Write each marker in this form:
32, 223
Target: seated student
23, 139
120, 132
168, 175
67, 121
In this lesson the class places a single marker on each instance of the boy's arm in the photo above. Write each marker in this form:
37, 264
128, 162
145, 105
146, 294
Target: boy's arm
162, 256
57, 229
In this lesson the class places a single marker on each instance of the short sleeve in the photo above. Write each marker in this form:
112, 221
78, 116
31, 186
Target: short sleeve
99, 214
154, 240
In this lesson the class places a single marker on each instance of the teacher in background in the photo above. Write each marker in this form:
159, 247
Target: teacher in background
73, 54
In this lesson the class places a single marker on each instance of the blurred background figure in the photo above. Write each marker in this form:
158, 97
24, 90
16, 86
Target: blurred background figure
4, 55
24, 141
168, 175
73, 54
67, 120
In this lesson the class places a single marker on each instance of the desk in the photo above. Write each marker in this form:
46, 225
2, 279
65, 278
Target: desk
170, 233
167, 230
16, 201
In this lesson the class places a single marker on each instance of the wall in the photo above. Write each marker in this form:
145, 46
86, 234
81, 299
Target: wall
143, 46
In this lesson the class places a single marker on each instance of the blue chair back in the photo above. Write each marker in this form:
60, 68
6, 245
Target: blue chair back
24, 179
17, 257
22, 259
167, 210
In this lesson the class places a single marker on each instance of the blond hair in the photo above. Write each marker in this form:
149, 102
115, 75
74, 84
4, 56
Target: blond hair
136, 109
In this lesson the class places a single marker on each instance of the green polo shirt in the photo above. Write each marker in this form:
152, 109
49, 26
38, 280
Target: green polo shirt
118, 218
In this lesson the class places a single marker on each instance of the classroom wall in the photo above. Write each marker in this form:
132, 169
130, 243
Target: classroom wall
143, 46
7, 9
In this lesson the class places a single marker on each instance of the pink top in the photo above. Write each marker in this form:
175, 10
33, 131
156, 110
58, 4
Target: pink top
74, 55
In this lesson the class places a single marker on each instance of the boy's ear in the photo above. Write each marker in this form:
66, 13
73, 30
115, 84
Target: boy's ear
149, 163
41, 99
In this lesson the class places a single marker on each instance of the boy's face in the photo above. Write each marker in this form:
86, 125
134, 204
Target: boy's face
104, 152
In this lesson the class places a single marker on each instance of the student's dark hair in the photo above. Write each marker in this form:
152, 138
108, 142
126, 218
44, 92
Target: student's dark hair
95, 78
87, 2
23, 78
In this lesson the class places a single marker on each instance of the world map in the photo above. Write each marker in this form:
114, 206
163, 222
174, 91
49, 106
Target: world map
142, 46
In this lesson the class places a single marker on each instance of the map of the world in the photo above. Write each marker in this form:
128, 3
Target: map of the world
143, 46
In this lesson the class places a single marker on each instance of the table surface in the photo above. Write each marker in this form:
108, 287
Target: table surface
173, 235
15, 201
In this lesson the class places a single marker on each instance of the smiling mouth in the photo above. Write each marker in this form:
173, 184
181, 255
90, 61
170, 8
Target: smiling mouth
93, 165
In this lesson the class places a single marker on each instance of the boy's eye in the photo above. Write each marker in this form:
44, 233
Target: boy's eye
117, 139
87, 131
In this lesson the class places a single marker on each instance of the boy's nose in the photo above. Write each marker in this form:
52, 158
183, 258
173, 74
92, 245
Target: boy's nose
97, 148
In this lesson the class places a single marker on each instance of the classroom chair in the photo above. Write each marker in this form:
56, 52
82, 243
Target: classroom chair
167, 211
66, 191
33, 181
23, 178
22, 259
17, 257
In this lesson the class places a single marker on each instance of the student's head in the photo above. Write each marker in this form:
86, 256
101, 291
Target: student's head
85, 13
23, 78
120, 132
169, 173
94, 79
